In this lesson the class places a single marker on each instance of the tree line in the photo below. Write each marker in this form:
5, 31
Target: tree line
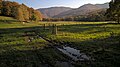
19, 11
113, 12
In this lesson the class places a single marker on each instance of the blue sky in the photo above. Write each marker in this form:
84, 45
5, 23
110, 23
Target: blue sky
51, 3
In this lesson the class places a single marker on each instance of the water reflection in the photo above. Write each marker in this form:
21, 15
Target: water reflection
73, 53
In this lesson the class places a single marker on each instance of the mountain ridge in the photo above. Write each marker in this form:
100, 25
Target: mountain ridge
52, 11
57, 12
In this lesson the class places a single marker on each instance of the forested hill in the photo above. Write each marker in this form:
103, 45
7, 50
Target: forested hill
19, 11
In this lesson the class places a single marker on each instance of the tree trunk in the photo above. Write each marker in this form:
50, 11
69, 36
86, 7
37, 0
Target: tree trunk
118, 19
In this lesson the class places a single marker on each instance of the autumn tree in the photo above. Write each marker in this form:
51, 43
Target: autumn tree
14, 9
25, 11
31, 11
19, 11
113, 12
0, 5
35, 15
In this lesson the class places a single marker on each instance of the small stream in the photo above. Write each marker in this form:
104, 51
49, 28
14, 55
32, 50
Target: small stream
75, 54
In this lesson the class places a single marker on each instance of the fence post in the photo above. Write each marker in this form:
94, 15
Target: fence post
44, 27
54, 29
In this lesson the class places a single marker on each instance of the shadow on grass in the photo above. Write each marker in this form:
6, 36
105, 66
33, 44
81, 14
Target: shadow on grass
27, 58
20, 30
8, 21
30, 58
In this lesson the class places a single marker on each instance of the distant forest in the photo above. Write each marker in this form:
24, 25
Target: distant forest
19, 11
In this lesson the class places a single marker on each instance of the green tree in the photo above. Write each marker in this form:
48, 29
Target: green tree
33, 18
113, 12
5, 10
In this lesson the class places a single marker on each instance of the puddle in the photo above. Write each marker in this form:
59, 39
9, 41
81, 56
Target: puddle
73, 53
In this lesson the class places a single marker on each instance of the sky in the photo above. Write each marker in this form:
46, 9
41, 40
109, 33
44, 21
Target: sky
57, 3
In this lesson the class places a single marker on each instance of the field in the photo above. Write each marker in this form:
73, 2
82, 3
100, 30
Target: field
21, 44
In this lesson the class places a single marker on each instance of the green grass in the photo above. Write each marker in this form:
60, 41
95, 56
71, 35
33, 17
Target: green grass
100, 40
4, 19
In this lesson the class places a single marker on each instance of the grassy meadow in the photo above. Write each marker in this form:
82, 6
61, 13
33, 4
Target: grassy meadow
20, 46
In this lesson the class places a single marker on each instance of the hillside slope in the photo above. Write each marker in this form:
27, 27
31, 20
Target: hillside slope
50, 12
60, 12
83, 10
105, 5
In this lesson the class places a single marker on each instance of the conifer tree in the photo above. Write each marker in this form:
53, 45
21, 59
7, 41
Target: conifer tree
114, 10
